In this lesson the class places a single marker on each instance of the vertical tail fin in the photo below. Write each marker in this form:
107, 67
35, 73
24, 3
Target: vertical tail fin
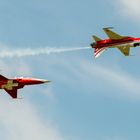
3, 78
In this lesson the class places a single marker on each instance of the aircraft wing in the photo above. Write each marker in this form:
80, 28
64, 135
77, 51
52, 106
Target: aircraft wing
112, 35
12, 93
125, 50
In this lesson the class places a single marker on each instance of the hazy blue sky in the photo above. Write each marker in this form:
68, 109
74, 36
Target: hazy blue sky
88, 99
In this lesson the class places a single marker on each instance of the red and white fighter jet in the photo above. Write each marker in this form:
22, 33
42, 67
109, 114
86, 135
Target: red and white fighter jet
12, 85
123, 43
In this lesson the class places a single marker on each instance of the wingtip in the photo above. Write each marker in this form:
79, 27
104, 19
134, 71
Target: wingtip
108, 28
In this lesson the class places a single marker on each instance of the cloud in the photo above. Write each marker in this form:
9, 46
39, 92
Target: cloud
20, 120
15, 67
130, 8
93, 77
124, 82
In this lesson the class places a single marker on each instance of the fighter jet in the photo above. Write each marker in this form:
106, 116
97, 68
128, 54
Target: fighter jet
122, 43
12, 85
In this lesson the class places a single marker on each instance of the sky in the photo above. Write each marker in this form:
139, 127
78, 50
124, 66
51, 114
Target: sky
87, 98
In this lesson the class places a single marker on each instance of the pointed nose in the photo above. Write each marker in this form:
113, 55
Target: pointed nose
46, 81
92, 45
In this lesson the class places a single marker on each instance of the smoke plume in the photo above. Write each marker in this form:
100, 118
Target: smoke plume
37, 51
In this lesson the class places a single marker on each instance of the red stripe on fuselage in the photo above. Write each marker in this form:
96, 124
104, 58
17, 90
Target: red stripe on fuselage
110, 42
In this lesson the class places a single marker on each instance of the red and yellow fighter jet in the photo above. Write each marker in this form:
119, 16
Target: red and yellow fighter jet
123, 43
12, 85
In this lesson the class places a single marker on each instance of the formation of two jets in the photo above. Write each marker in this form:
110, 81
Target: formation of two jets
122, 43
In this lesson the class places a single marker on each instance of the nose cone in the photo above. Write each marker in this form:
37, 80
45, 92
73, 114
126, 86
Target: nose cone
46, 81
92, 45
42, 81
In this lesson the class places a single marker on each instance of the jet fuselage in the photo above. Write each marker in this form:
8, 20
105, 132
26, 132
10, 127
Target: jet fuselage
12, 85
110, 43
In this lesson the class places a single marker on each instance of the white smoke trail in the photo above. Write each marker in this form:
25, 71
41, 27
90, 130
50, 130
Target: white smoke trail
37, 51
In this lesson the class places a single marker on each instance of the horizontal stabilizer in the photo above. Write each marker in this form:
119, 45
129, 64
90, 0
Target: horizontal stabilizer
125, 50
